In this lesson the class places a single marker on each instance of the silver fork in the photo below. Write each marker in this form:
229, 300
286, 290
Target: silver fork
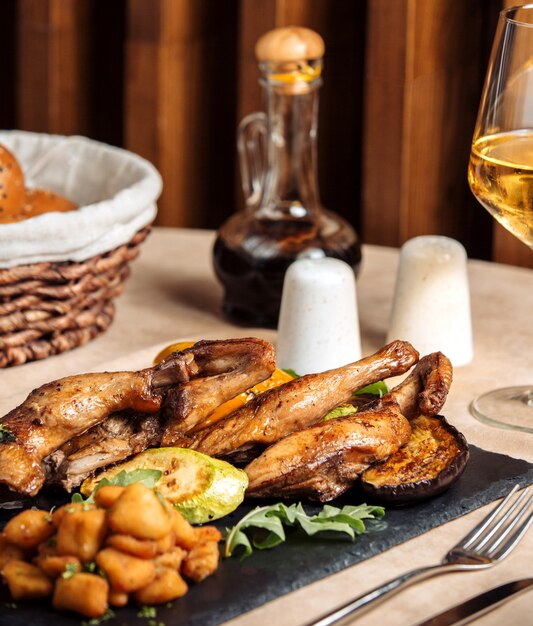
485, 545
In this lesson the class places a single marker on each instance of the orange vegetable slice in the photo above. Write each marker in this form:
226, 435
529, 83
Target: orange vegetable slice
173, 347
278, 377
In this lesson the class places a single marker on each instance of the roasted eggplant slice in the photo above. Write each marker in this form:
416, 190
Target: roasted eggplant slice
432, 460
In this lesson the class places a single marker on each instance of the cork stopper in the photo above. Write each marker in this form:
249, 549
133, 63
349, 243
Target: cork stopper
291, 43
291, 58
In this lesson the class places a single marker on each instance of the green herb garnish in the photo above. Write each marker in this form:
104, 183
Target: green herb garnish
378, 389
340, 411
6, 436
273, 518
95, 621
291, 373
375, 389
148, 612
148, 477
70, 570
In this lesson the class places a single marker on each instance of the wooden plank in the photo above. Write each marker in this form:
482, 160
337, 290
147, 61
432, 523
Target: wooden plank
175, 105
508, 249
421, 95
383, 121
441, 102
53, 44
256, 18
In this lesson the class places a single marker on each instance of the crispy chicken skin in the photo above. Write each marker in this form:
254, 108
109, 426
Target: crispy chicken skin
242, 364
117, 438
323, 461
62, 409
426, 388
227, 367
296, 405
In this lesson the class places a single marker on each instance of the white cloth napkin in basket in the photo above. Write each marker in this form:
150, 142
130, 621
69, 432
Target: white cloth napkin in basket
116, 190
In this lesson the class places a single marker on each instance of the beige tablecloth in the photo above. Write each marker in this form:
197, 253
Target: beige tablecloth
173, 294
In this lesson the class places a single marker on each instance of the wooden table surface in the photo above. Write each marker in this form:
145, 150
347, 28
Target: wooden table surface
173, 294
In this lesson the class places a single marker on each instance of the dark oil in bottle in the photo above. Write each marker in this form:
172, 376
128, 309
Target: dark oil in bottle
252, 268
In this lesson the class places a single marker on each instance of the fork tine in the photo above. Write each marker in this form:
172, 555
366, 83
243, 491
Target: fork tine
498, 554
504, 519
468, 539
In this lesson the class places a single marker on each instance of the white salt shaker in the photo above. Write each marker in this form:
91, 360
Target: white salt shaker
431, 306
318, 323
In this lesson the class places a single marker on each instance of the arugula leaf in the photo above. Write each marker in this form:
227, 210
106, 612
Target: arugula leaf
340, 411
148, 477
376, 389
272, 519
6, 436
290, 372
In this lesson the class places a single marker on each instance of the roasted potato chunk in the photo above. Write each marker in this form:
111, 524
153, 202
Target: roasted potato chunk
48, 547
207, 533
118, 598
170, 560
81, 533
201, 561
166, 543
185, 533
55, 566
107, 496
83, 593
9, 552
167, 586
29, 528
139, 512
125, 573
71, 507
26, 581
142, 548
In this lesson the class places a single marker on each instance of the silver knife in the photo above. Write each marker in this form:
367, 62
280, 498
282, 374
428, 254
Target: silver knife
471, 609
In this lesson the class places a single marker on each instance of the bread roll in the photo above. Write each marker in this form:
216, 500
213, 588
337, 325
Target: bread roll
12, 192
18, 203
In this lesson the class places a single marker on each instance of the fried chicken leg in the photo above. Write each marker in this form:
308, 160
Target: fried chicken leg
426, 388
242, 364
224, 368
295, 405
62, 409
323, 461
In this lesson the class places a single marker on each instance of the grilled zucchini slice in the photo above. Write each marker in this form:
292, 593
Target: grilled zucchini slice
200, 487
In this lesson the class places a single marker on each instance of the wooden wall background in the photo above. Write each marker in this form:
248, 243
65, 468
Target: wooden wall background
170, 79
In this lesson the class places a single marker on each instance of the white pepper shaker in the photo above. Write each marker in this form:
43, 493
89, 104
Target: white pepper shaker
431, 306
318, 324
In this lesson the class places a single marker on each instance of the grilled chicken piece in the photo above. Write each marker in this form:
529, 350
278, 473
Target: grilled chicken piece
226, 367
323, 461
426, 388
295, 405
60, 410
242, 364
120, 436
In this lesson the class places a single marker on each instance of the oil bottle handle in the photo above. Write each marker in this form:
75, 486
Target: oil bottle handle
251, 147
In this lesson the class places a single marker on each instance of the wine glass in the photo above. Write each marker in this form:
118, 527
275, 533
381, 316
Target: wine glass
500, 173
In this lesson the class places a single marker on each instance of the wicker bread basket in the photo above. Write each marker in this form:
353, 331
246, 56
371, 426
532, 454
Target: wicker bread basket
60, 272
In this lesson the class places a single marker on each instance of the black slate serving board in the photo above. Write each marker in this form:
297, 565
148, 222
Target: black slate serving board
239, 586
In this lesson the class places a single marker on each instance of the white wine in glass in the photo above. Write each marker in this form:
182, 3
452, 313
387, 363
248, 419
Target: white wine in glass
500, 173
